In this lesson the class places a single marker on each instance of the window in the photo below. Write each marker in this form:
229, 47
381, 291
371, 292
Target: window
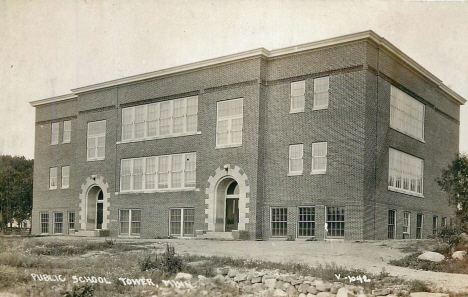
66, 131
319, 158
229, 123
44, 222
406, 224
65, 177
435, 225
405, 173
161, 119
295, 159
297, 96
182, 222
53, 178
158, 172
58, 222
306, 221
96, 140
71, 221
55, 133
279, 221
391, 224
129, 222
335, 221
443, 223
321, 88
419, 225
406, 114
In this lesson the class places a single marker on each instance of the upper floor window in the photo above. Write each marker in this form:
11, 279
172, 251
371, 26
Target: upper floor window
297, 96
161, 119
405, 173
65, 177
66, 131
321, 88
319, 158
158, 172
53, 178
96, 140
296, 153
229, 123
55, 133
406, 114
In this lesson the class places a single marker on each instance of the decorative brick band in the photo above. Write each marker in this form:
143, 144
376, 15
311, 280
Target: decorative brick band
91, 182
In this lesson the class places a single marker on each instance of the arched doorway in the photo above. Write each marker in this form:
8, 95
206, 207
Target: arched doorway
94, 208
227, 205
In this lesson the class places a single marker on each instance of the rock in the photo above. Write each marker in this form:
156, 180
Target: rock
303, 288
324, 287
361, 295
291, 291
218, 278
295, 281
223, 271
431, 256
257, 287
425, 294
302, 295
270, 283
279, 293
255, 280
459, 255
233, 273
204, 292
186, 276
311, 295
265, 277
247, 289
343, 292
325, 294
279, 285
286, 285
240, 277
463, 237
380, 292
312, 290
200, 277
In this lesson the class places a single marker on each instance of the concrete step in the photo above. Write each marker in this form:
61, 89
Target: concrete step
216, 236
85, 233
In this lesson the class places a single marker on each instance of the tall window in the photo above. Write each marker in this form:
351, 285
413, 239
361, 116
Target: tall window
158, 172
419, 226
58, 222
167, 118
319, 158
443, 222
321, 90
44, 222
391, 224
66, 131
405, 173
306, 221
297, 96
279, 221
435, 225
229, 123
65, 177
96, 140
129, 222
295, 159
55, 133
53, 178
71, 221
335, 221
406, 114
182, 222
406, 223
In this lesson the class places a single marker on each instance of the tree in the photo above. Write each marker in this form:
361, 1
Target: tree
454, 181
16, 189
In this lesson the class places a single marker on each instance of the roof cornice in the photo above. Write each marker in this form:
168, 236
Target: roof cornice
262, 52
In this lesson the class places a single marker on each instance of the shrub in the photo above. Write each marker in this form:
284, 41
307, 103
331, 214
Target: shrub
450, 235
86, 290
418, 286
167, 263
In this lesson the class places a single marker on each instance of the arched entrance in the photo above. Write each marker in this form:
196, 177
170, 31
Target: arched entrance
94, 205
227, 205
94, 208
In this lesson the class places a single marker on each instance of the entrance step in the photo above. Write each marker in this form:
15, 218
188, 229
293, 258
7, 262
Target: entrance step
85, 233
216, 236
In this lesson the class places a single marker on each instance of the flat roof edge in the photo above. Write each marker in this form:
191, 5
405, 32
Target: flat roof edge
53, 99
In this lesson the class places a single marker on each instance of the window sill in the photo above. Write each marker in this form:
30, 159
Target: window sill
409, 135
65, 187
320, 107
96, 159
159, 137
294, 173
66, 142
158, 191
53, 188
54, 143
318, 172
405, 192
296, 111
228, 146
129, 236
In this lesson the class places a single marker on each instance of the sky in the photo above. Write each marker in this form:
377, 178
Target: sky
48, 47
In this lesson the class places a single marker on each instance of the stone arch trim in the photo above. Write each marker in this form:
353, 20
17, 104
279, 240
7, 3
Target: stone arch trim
219, 174
85, 187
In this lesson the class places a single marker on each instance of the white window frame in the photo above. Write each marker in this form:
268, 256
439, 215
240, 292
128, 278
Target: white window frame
170, 118
45, 221
394, 235
297, 172
298, 86
229, 120
56, 223
314, 222
316, 93
144, 174
403, 120
285, 209
66, 132
406, 173
407, 223
52, 178
315, 156
55, 132
130, 221
182, 222
65, 177
95, 138
69, 221
436, 221
421, 228
335, 221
